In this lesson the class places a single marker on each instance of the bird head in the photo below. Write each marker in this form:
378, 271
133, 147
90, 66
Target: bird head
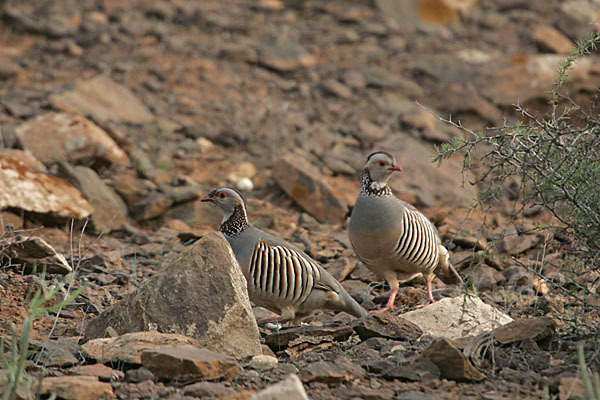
381, 165
226, 199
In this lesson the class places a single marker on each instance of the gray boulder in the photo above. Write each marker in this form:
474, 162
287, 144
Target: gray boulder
201, 294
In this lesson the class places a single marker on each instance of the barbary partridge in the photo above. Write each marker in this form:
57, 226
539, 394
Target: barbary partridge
280, 276
393, 238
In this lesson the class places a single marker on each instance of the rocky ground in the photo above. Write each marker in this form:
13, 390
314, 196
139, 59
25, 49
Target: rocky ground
117, 115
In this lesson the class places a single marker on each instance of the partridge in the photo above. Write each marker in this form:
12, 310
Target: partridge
281, 277
393, 238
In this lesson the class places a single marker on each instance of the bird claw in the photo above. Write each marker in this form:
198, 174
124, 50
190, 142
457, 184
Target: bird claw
428, 302
384, 309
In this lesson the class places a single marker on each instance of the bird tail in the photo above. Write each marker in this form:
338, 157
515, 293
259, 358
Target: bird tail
351, 306
445, 270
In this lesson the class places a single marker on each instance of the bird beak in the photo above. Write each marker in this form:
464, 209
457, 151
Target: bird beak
395, 167
208, 198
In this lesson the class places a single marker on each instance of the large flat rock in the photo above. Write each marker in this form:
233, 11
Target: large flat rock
76, 387
186, 363
457, 317
56, 137
128, 348
25, 188
201, 294
104, 100
303, 183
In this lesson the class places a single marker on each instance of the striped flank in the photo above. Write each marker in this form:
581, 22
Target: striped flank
419, 242
282, 273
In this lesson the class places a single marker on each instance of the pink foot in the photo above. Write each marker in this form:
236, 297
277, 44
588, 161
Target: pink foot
430, 299
390, 304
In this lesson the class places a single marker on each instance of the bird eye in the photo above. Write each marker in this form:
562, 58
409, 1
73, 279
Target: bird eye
222, 195
382, 163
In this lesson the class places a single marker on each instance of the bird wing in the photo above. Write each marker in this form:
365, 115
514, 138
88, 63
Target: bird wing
419, 241
281, 272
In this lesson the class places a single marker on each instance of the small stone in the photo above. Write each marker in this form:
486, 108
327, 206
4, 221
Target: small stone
103, 372
342, 370
58, 353
540, 287
338, 166
263, 362
377, 366
284, 57
242, 170
577, 18
152, 206
16, 108
186, 362
434, 135
485, 278
354, 79
130, 188
517, 275
290, 388
417, 371
535, 328
341, 267
30, 251
444, 11
335, 88
451, 361
110, 210
10, 219
74, 49
8, 69
369, 133
418, 117
571, 388
182, 194
209, 390
26, 158
143, 390
549, 39
378, 77
138, 375
96, 17
279, 340
386, 325
270, 5
204, 145
244, 185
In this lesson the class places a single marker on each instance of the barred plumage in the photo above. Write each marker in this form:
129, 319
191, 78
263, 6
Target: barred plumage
419, 243
392, 237
282, 273
279, 276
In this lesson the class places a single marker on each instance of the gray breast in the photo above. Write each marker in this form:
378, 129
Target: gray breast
388, 233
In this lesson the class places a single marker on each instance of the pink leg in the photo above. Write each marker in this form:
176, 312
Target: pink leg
430, 298
390, 304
